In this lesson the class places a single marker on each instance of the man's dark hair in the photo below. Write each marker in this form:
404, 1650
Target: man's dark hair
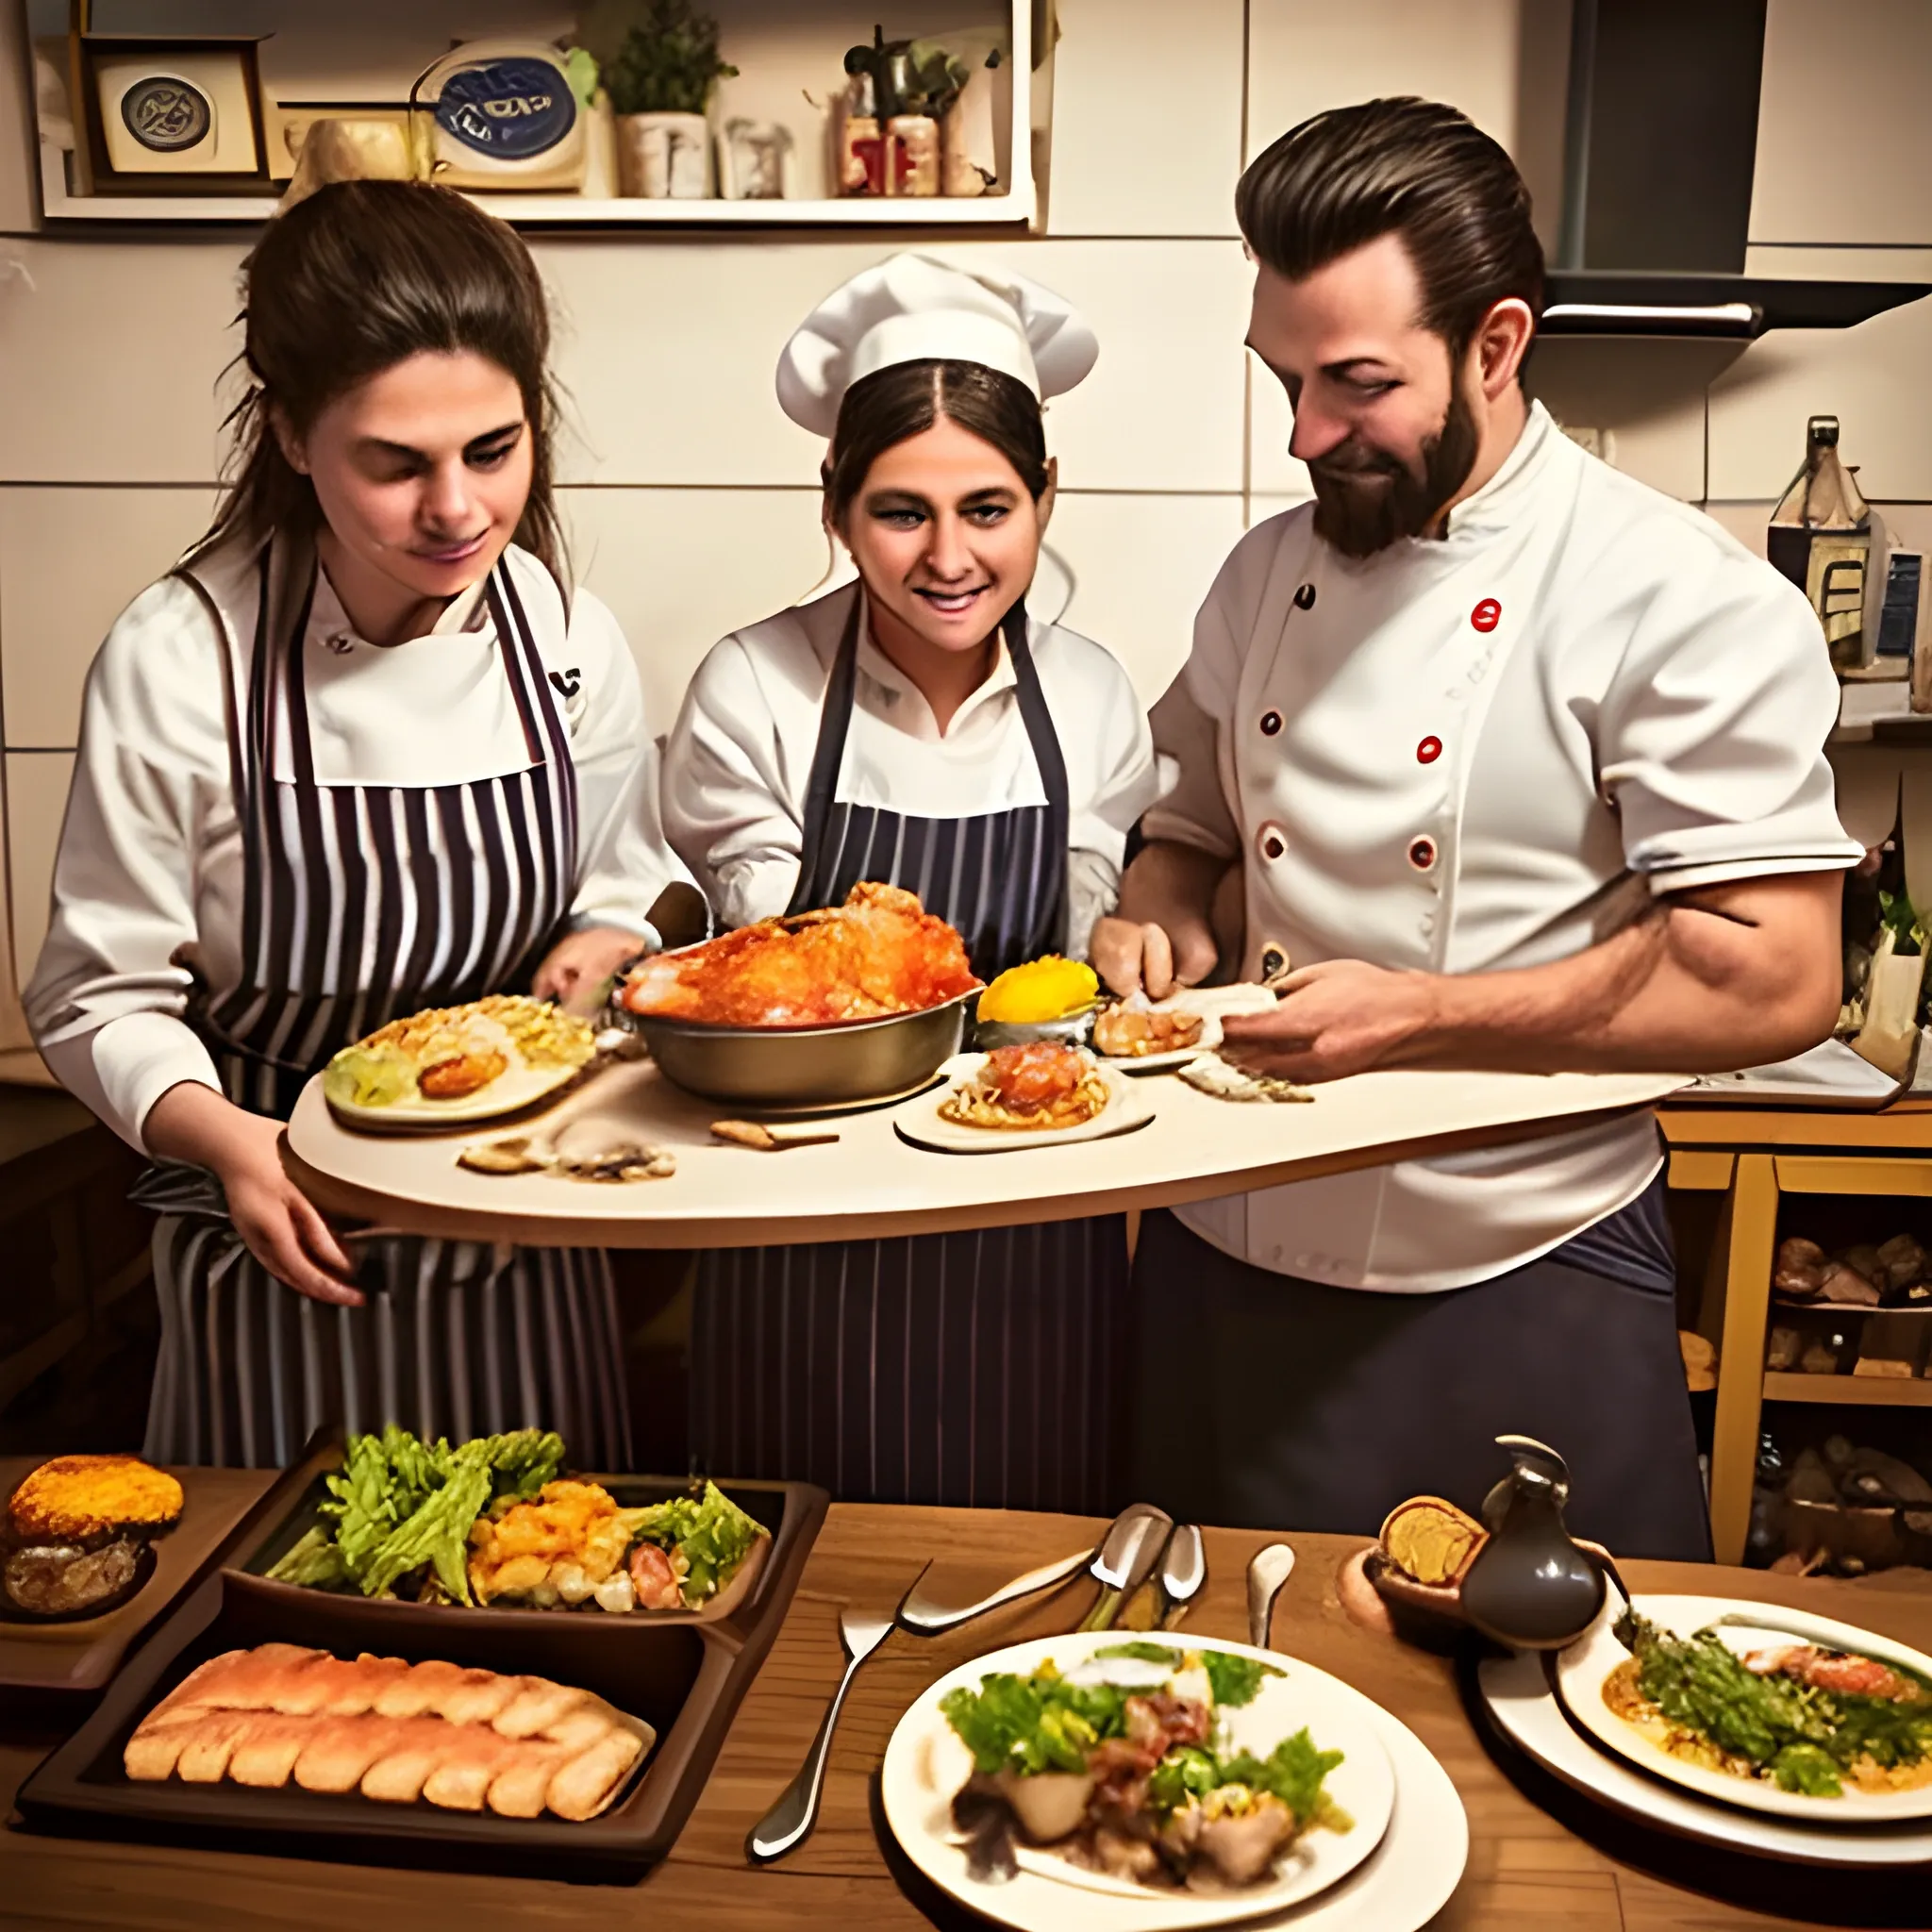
1406, 167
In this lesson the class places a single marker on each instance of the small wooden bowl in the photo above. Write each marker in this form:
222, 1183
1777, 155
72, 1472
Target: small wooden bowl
1379, 1597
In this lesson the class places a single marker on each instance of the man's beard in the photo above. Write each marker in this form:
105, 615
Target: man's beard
1367, 499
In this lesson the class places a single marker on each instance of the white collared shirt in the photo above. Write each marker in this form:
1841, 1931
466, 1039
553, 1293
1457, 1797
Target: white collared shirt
150, 874
738, 765
1481, 752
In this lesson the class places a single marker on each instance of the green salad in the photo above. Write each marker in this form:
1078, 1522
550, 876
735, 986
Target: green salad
1801, 1736
1141, 1778
399, 1504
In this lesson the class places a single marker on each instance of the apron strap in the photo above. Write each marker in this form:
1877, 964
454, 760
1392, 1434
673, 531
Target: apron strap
828, 756
1047, 756
514, 639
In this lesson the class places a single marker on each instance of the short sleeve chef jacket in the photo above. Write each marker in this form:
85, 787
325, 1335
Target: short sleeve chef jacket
737, 766
1484, 752
150, 881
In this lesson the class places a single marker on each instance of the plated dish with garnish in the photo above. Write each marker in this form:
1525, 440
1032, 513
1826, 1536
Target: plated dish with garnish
1757, 1706
1042, 1093
450, 1066
497, 1521
1210, 1780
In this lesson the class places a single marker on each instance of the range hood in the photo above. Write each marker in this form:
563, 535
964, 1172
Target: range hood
1660, 145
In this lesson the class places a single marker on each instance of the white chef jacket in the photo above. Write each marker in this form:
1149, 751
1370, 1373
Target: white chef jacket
738, 765
1481, 752
149, 878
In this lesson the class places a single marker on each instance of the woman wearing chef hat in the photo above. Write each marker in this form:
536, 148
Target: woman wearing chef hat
363, 752
918, 728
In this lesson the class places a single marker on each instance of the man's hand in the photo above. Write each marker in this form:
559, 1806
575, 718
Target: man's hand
578, 966
1153, 958
1161, 936
1339, 1017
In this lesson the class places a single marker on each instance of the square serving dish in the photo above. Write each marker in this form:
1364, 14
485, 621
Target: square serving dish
682, 1675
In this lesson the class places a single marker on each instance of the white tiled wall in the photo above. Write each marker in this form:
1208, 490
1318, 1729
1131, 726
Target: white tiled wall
689, 496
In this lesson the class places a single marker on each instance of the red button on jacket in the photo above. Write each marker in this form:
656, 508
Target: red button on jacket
1428, 751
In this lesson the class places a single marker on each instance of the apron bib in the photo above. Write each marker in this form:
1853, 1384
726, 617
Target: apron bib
365, 904
973, 1367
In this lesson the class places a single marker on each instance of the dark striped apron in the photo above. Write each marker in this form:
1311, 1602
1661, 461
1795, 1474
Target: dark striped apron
365, 904
976, 1368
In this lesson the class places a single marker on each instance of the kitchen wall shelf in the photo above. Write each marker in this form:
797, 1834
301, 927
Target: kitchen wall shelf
788, 54
1874, 1391
568, 211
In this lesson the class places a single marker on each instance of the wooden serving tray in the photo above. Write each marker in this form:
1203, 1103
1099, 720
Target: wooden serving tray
220, 1507
683, 1675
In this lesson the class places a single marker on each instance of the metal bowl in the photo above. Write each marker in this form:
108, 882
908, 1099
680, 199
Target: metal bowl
1075, 1029
806, 1066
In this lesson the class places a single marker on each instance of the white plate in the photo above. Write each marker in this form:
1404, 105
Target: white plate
1214, 1004
1582, 1669
925, 1764
1401, 1884
1514, 1695
511, 1092
922, 1125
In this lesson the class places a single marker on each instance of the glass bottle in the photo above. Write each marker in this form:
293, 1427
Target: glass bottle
1821, 538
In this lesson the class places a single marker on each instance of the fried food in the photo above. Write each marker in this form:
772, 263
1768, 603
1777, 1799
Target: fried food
1039, 1086
459, 1738
1047, 989
73, 1499
880, 953
573, 1544
1129, 1035
556, 1549
463, 1074
1432, 1541
449, 1052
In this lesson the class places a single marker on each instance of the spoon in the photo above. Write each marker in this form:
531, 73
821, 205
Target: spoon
1268, 1570
1183, 1572
790, 1822
1127, 1555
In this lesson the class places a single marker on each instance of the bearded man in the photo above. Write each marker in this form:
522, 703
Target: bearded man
1523, 764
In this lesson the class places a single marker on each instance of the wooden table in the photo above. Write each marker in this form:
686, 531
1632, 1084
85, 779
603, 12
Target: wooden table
1754, 1156
1529, 1871
872, 1182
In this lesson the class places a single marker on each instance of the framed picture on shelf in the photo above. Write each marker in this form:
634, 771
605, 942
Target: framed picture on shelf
176, 115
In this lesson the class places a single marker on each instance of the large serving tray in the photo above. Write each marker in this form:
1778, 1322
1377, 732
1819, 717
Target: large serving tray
683, 1675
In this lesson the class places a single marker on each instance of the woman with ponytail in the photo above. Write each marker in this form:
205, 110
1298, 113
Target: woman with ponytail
363, 752
918, 728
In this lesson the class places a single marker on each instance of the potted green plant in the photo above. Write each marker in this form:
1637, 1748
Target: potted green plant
659, 81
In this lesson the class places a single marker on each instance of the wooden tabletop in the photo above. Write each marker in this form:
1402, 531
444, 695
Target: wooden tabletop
872, 1182
1529, 1869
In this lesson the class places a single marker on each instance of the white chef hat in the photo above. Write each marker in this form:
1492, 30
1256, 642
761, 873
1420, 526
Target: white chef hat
915, 307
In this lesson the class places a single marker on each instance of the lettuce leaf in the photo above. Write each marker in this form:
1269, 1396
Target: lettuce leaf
711, 1532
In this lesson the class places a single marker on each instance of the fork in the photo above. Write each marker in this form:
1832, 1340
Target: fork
790, 1822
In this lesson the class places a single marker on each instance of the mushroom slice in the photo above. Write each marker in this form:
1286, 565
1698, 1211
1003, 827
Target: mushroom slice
514, 1155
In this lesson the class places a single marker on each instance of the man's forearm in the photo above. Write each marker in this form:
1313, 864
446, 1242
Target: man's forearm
1683, 990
